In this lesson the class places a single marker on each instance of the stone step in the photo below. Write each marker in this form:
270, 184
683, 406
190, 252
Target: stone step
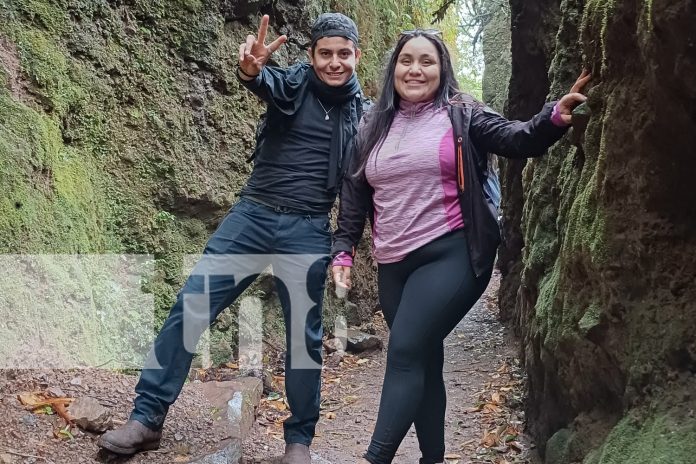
234, 403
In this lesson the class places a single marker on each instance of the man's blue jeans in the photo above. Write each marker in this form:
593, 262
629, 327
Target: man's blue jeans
249, 228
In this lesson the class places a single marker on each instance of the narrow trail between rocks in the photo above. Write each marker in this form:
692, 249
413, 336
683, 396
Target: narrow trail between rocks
484, 419
484, 422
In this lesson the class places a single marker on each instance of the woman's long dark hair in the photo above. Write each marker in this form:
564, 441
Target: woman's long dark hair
379, 119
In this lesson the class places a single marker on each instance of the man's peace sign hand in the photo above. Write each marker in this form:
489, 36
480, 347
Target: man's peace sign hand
254, 53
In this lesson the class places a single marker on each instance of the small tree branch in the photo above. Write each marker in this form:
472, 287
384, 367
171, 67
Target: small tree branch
15, 453
440, 13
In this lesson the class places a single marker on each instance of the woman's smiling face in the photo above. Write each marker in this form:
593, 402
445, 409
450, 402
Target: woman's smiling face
417, 72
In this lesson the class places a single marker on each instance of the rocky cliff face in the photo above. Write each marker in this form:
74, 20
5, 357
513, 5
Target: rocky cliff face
497, 56
123, 128
599, 277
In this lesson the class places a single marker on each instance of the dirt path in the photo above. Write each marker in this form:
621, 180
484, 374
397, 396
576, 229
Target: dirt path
484, 422
484, 401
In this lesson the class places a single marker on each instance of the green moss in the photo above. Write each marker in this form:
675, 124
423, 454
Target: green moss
50, 203
555, 319
547, 293
4, 78
47, 66
566, 240
498, 58
558, 447
598, 13
591, 318
592, 457
659, 440
544, 246
587, 226
648, 14
562, 315
50, 15
191, 5
77, 192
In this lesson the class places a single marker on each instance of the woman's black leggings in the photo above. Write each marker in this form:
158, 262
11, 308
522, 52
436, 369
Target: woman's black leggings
423, 298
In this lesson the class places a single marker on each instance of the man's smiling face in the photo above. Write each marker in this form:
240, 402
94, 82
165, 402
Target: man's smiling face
334, 59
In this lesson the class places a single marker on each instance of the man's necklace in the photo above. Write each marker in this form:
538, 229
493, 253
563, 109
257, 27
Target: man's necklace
326, 118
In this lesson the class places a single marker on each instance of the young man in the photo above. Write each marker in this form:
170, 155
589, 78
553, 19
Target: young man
281, 219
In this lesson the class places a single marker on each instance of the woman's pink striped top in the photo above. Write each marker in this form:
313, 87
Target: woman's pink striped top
414, 179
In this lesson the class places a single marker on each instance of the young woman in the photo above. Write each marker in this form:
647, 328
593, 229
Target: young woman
420, 173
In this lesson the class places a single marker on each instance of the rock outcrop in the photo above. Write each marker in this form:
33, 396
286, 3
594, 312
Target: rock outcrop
599, 275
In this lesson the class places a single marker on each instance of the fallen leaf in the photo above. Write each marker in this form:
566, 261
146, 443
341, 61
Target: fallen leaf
63, 413
467, 444
30, 399
278, 406
516, 446
45, 405
489, 440
491, 408
36, 400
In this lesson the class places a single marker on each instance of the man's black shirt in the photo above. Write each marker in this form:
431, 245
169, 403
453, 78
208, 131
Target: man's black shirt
292, 165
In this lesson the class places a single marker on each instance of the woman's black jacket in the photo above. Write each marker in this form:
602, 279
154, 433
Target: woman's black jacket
478, 130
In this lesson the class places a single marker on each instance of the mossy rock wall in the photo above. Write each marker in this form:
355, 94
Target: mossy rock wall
496, 44
123, 128
603, 293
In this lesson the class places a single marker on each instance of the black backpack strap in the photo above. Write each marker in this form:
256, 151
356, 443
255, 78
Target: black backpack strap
364, 106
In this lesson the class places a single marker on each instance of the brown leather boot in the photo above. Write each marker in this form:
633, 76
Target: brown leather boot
296, 453
130, 438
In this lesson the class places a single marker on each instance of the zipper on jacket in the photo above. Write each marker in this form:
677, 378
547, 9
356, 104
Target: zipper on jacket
460, 165
409, 118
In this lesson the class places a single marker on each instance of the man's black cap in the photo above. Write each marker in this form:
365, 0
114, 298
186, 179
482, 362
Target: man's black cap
334, 25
